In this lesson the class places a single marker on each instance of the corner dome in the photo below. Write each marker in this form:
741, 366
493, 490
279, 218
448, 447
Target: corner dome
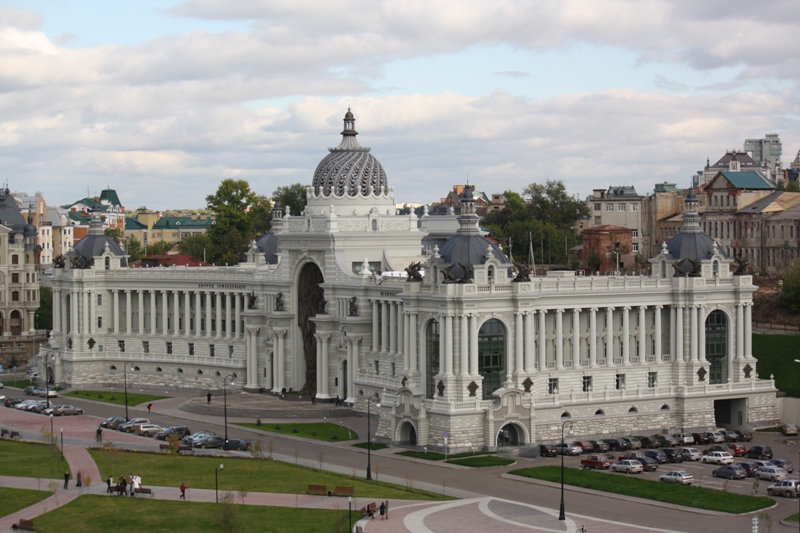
349, 170
10, 215
691, 243
269, 245
95, 243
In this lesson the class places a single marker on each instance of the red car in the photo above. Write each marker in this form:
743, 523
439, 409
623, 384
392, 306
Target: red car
737, 450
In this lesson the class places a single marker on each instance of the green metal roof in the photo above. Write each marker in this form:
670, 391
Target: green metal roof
91, 203
182, 222
131, 224
110, 196
748, 180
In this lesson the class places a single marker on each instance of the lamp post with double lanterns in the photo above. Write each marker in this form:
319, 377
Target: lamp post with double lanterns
561, 514
225, 404
369, 434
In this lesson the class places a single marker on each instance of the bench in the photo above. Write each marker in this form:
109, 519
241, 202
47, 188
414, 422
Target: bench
343, 491
184, 448
3, 433
24, 524
118, 489
319, 490
143, 490
359, 529
369, 510
14, 434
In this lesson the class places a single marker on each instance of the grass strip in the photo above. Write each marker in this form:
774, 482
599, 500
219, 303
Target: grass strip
241, 474
89, 514
688, 496
32, 459
483, 462
776, 355
436, 456
116, 397
319, 431
371, 445
13, 500
793, 517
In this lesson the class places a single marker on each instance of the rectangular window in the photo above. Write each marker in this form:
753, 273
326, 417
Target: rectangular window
552, 386
121, 346
587, 383
146, 346
191, 348
377, 367
619, 381
598, 221
15, 277
635, 234
99, 322
374, 266
393, 369
609, 207
230, 351
598, 207
169, 348
211, 350
652, 380
635, 247
14, 259
99, 299
15, 296
621, 207
634, 207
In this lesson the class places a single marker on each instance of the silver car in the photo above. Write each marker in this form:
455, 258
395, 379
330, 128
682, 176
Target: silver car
681, 477
788, 487
772, 473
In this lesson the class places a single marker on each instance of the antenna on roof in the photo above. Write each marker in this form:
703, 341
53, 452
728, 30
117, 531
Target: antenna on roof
468, 179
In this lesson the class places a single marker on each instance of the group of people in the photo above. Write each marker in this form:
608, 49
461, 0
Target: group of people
383, 510
134, 482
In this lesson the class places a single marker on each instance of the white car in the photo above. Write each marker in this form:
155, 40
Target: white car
717, 437
692, 453
681, 477
629, 466
23, 406
772, 473
48, 393
148, 430
719, 458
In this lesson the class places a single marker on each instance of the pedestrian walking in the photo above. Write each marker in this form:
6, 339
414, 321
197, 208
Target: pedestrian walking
108, 482
149, 408
383, 510
313, 399
123, 482
78, 480
338, 401
66, 480
183, 491
387, 509
98, 435
208, 397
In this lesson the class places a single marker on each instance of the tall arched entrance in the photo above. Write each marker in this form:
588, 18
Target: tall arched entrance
310, 298
491, 355
508, 436
408, 434
343, 381
717, 347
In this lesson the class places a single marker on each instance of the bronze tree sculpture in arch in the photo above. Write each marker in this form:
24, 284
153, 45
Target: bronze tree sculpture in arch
309, 302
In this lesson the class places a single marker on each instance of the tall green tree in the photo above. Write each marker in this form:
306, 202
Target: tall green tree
550, 202
197, 246
232, 230
293, 196
261, 214
134, 249
159, 248
114, 233
43, 318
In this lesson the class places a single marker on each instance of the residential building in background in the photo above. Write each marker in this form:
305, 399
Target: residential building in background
617, 206
734, 161
604, 243
111, 210
766, 152
173, 229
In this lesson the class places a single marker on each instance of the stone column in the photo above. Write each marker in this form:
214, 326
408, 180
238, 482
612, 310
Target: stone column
693, 333
576, 338
748, 330
542, 340
114, 309
679, 325
325, 337
626, 336
128, 313
208, 314
319, 363
412, 338
384, 326
392, 328
642, 332
593, 337
237, 313
657, 333
152, 312
280, 337
739, 332
140, 302
401, 329
187, 313
406, 352
218, 318
85, 298
228, 323
164, 313
463, 348
176, 311
57, 303
560, 339
73, 312
673, 321
473, 346
448, 344
198, 314
701, 334
351, 366
251, 358
530, 366
376, 322
610, 336
518, 346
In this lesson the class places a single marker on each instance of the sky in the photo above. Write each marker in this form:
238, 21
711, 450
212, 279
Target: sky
162, 100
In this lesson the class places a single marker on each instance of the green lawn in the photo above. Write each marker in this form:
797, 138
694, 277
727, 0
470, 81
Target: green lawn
793, 517
238, 473
89, 514
688, 496
371, 445
436, 456
776, 355
13, 500
319, 431
31, 459
483, 462
116, 397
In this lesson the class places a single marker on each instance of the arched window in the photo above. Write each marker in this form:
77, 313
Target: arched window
663, 269
180, 371
633, 410
113, 367
199, 372
491, 355
715, 268
599, 412
108, 263
158, 369
665, 407
565, 415
432, 357
490, 274
374, 225
136, 369
717, 347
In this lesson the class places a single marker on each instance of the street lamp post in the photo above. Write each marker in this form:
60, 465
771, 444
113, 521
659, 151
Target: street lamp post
225, 403
125, 372
369, 434
62, 442
349, 513
216, 481
561, 515
52, 436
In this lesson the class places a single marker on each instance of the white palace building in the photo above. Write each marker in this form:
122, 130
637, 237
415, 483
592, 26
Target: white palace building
463, 345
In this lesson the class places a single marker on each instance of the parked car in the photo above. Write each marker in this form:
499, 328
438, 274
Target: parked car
717, 448
772, 473
180, 431
628, 466
617, 445
24, 404
788, 487
691, 454
786, 464
11, 402
651, 442
117, 423
670, 441
31, 391
789, 429
64, 410
730, 436
674, 455
744, 435
701, 438
597, 462
547, 450
48, 393
736, 449
750, 468
681, 477
148, 430
719, 458
634, 443
568, 448
729, 472
189, 439
684, 438
238, 444
107, 423
208, 441
716, 436
657, 455
130, 425
47, 411
600, 446
38, 407
587, 446
759, 452
648, 464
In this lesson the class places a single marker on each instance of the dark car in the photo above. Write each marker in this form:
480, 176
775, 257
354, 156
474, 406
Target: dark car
648, 464
209, 441
180, 431
112, 422
730, 472
31, 391
674, 455
744, 435
717, 448
669, 440
237, 444
189, 439
730, 436
600, 446
657, 455
751, 469
786, 464
547, 450
617, 445
759, 452
651, 442
587, 446
701, 438
11, 402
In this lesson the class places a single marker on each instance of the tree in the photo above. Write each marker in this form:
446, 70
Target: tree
43, 318
196, 246
292, 196
793, 186
261, 214
551, 202
233, 226
158, 248
790, 290
114, 233
515, 209
134, 249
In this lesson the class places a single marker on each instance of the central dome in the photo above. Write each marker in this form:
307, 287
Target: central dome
349, 170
